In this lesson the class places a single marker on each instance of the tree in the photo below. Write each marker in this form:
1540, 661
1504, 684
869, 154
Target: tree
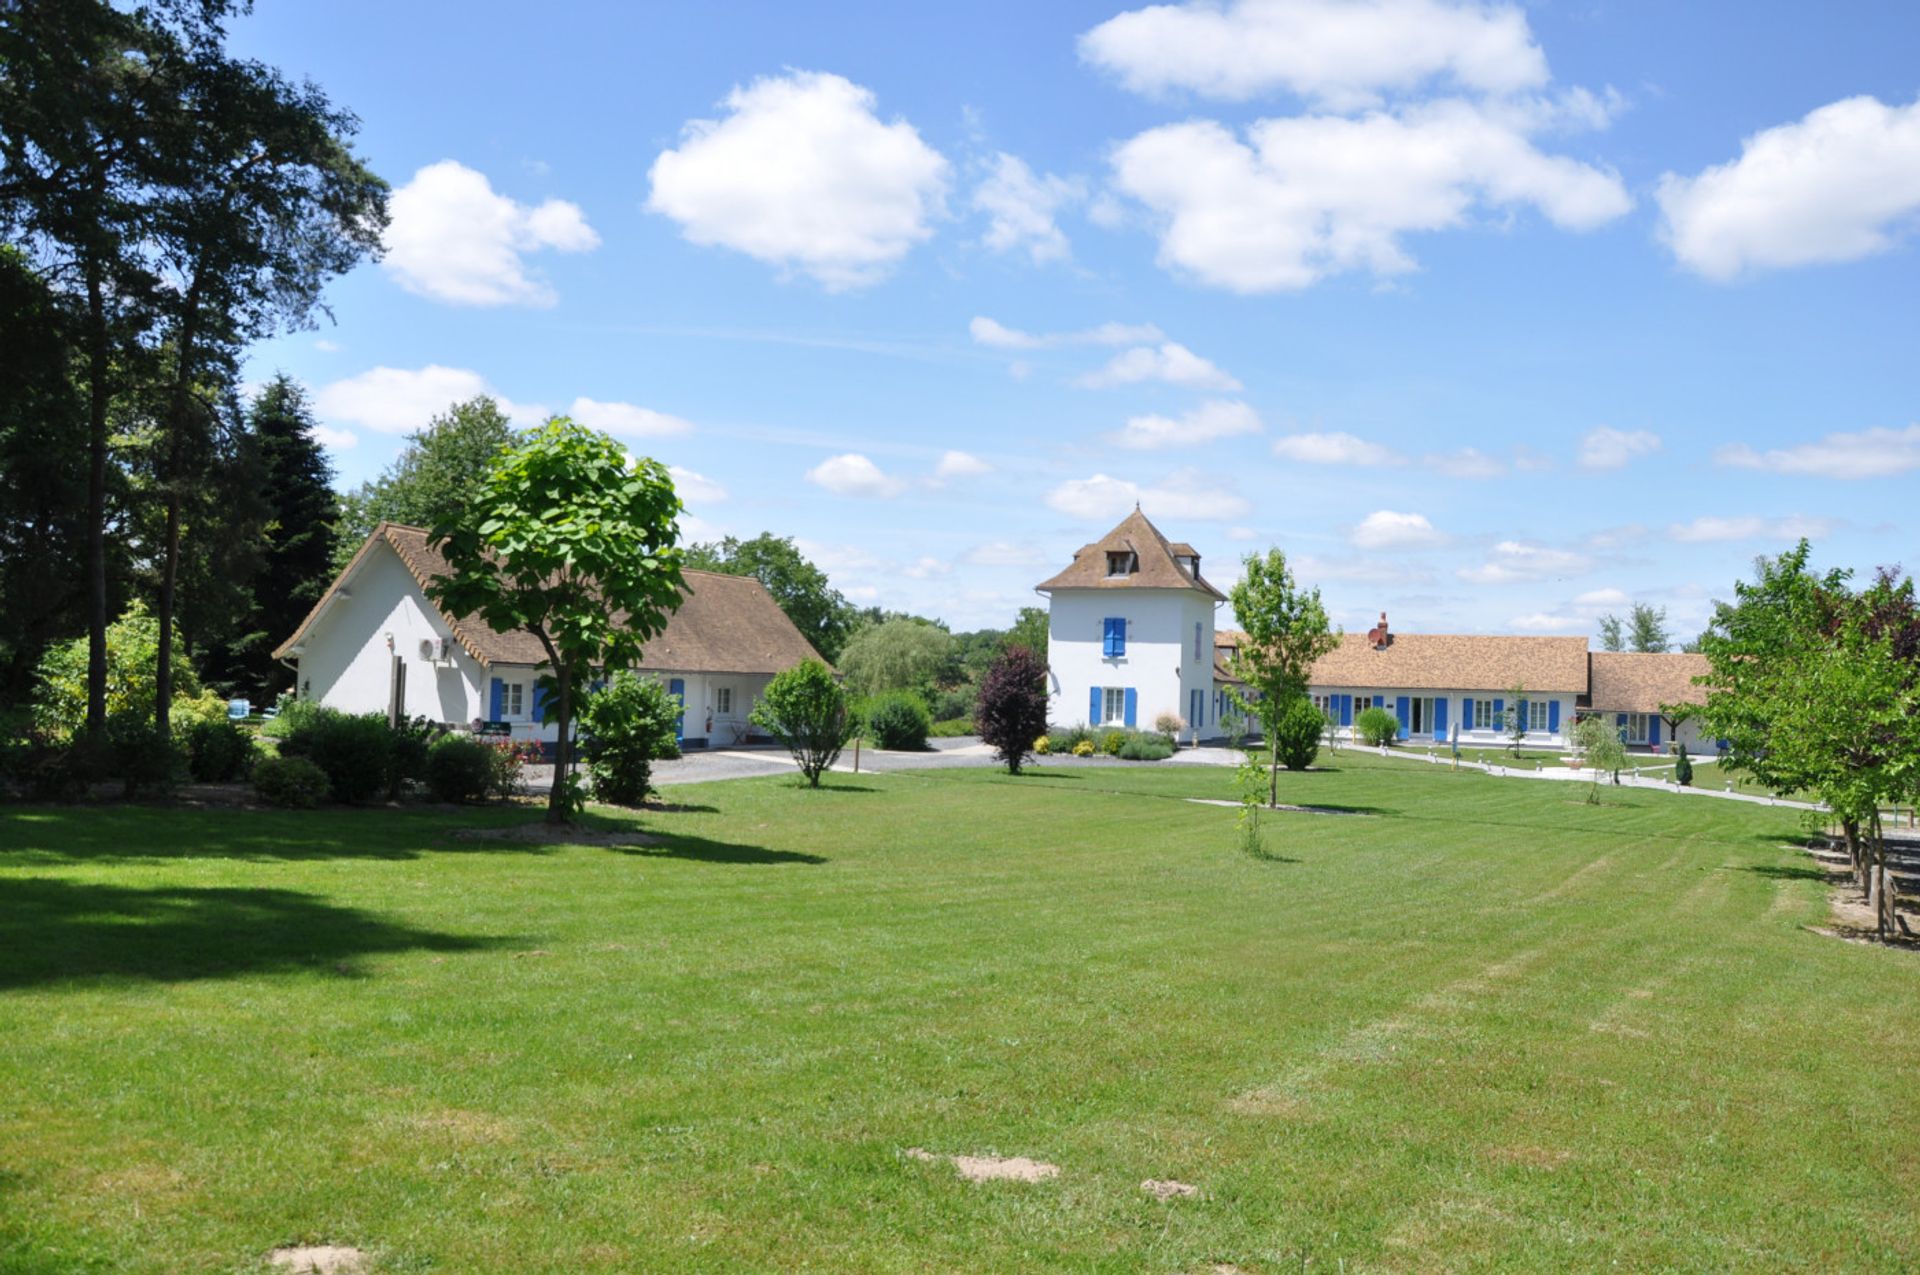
572, 540
1296, 739
626, 726
433, 478
1647, 629
1516, 723
1611, 638
1599, 746
1011, 711
800, 588
1030, 629
899, 655
60, 700
806, 710
296, 485
1287, 630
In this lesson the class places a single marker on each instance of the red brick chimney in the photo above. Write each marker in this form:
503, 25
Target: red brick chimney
1378, 637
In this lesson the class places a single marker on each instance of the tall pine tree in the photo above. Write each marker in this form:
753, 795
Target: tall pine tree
297, 483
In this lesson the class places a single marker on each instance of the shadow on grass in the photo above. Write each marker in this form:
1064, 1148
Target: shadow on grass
1786, 873
701, 850
73, 834
54, 931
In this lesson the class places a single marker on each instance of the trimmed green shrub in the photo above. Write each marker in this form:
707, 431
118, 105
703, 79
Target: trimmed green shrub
140, 756
218, 751
407, 756
1682, 767
953, 729
626, 726
355, 751
293, 714
806, 710
1065, 741
459, 770
897, 720
1296, 736
1145, 746
1112, 741
293, 782
1376, 726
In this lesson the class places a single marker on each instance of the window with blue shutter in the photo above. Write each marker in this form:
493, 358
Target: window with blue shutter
1114, 640
496, 700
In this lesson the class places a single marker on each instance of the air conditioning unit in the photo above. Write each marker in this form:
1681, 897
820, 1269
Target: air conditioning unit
435, 649
426, 648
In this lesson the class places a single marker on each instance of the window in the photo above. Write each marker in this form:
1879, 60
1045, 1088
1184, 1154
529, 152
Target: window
723, 700
1635, 731
1323, 703
514, 705
1483, 714
1113, 704
1113, 641
1196, 639
1122, 564
1420, 715
1536, 714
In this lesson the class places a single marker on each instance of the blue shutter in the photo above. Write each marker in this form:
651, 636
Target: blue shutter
1120, 636
497, 702
1520, 711
1346, 710
1440, 718
678, 689
1133, 702
1653, 731
1403, 713
1553, 716
1466, 714
1093, 709
539, 702
1106, 638
1499, 707
1620, 725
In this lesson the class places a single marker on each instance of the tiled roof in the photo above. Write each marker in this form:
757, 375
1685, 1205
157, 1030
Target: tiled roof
725, 624
1449, 661
1157, 570
1628, 682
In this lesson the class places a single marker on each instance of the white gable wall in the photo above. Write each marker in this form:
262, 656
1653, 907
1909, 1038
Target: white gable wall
345, 662
1159, 663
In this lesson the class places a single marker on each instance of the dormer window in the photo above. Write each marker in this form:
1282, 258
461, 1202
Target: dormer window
1190, 565
1122, 564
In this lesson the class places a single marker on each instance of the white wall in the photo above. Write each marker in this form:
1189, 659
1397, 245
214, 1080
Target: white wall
1494, 737
346, 661
1158, 663
705, 719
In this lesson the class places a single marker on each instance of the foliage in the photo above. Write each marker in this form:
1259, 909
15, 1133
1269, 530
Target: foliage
1170, 725
572, 540
1031, 628
459, 769
953, 729
625, 727
1012, 708
1286, 631
1516, 723
354, 750
1597, 742
806, 710
1376, 726
294, 782
217, 751
897, 655
432, 480
1144, 746
1083, 748
510, 760
1065, 740
1612, 635
1296, 736
292, 715
1113, 739
1252, 784
412, 741
954, 703
133, 643
896, 720
1042, 745
1682, 767
801, 589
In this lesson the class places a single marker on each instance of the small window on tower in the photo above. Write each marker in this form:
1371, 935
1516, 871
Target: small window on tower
1122, 564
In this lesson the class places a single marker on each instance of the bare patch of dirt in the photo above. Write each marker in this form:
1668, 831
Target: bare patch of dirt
1168, 1189
545, 834
992, 1168
320, 1259
1849, 917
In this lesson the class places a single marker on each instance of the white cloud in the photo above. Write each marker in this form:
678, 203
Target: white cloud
1005, 553
1242, 534
1021, 206
1872, 453
854, 475
626, 418
1609, 448
1334, 449
1170, 362
1186, 493
1603, 598
392, 400
453, 239
988, 332
1313, 569
803, 175
1840, 184
1709, 530
1335, 51
960, 465
1386, 529
1468, 462
1548, 622
926, 569
1513, 561
1214, 419
1308, 197
338, 439
696, 489
325, 346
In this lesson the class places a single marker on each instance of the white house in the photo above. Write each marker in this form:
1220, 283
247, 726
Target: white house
375, 642
1130, 634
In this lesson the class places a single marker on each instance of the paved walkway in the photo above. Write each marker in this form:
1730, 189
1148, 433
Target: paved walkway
1572, 774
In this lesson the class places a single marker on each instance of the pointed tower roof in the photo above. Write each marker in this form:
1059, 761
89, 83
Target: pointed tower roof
1155, 563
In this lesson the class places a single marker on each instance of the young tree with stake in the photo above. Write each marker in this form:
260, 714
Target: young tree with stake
1287, 630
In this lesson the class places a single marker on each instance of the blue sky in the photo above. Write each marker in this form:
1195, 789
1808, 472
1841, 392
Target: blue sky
1494, 317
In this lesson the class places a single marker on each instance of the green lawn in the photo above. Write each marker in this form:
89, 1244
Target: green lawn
1486, 1027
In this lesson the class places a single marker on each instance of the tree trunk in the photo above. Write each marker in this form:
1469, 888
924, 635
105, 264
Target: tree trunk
562, 748
163, 661
1273, 772
1850, 829
96, 504
172, 460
